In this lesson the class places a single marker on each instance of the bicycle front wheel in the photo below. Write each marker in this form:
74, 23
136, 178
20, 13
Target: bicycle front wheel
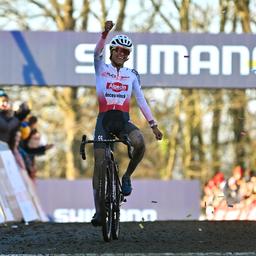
106, 203
116, 206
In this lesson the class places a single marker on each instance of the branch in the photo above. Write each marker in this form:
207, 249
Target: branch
176, 5
157, 9
43, 7
20, 19
84, 14
104, 11
95, 16
69, 22
57, 8
151, 20
121, 15
253, 20
58, 18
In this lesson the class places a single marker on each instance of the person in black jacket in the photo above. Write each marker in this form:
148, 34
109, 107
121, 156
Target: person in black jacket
10, 120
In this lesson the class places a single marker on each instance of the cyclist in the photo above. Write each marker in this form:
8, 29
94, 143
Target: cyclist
114, 86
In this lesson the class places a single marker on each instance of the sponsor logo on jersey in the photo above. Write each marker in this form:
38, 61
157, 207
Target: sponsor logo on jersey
117, 87
106, 74
124, 77
112, 95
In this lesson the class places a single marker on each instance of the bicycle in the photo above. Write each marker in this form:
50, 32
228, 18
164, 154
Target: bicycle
111, 196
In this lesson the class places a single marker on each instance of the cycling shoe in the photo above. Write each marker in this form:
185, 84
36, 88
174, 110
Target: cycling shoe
96, 220
126, 186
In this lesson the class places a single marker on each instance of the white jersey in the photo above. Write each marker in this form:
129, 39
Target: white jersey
115, 87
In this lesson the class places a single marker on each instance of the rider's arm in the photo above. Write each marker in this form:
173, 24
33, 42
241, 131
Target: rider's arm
98, 53
142, 103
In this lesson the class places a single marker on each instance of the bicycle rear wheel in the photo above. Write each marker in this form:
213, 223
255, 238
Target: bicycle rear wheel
106, 204
116, 206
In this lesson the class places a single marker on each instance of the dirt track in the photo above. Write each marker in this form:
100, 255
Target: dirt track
152, 237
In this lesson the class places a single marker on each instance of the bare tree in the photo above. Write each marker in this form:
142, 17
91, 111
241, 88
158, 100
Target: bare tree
218, 99
237, 111
243, 12
157, 6
121, 15
224, 8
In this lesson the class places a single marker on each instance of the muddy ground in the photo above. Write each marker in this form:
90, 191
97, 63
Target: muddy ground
144, 237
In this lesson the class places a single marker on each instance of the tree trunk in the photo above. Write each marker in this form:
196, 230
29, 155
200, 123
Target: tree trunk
184, 15
193, 151
223, 4
121, 15
173, 143
243, 13
187, 138
238, 113
66, 99
84, 14
218, 101
216, 121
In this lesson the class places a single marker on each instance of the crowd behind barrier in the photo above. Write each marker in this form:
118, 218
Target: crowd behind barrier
233, 198
19, 145
19, 129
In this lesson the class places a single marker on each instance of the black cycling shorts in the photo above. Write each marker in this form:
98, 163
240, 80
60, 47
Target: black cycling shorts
113, 121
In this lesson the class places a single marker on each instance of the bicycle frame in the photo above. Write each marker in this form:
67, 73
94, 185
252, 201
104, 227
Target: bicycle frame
111, 196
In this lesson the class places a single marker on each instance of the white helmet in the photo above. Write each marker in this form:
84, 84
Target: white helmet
121, 41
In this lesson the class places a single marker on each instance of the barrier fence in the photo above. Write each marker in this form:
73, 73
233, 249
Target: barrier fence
18, 198
151, 200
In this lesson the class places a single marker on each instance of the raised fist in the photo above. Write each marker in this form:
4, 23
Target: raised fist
108, 25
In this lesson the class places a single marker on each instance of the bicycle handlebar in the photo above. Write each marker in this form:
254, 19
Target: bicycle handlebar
125, 140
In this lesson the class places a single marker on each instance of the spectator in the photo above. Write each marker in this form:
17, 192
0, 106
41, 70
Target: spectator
33, 148
25, 130
9, 120
32, 122
32, 144
232, 186
28, 125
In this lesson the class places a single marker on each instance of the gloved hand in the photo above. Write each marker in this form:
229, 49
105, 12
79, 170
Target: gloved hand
157, 132
108, 26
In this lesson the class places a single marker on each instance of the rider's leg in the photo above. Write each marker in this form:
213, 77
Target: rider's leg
99, 154
98, 159
138, 144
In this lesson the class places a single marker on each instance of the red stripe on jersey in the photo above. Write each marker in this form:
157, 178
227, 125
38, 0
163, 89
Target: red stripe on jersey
103, 107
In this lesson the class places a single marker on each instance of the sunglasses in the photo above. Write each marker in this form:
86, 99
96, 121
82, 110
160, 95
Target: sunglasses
118, 50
